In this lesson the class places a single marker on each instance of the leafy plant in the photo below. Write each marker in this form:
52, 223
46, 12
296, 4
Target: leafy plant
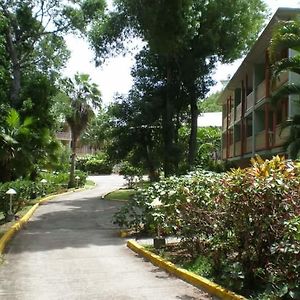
131, 174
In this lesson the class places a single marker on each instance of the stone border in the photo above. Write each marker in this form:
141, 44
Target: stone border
185, 275
19, 224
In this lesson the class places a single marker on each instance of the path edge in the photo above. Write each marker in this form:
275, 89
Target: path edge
196, 280
8, 235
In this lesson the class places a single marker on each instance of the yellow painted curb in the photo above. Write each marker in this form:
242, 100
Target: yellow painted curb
185, 275
19, 224
125, 233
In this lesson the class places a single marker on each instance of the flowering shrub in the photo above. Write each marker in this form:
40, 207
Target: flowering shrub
245, 221
257, 203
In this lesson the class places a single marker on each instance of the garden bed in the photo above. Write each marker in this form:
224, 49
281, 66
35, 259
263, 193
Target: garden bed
120, 195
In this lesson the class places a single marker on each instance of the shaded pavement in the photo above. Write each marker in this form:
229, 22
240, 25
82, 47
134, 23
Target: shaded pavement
71, 250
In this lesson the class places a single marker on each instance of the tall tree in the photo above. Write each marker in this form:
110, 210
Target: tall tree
183, 32
287, 36
83, 96
31, 28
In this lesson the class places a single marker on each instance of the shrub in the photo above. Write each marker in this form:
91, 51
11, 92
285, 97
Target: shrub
246, 222
178, 198
131, 174
94, 164
259, 204
27, 190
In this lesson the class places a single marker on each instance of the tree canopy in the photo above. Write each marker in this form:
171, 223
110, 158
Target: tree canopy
186, 39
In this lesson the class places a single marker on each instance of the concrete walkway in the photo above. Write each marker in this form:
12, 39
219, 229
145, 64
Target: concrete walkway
70, 250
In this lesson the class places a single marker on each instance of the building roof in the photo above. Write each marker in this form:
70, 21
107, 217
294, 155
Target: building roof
213, 119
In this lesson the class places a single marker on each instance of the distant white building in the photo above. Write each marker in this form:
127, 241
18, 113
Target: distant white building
210, 119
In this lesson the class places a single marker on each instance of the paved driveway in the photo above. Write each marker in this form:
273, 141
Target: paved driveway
70, 250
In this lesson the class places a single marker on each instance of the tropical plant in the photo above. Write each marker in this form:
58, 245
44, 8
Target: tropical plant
187, 38
82, 96
13, 132
94, 164
245, 222
287, 36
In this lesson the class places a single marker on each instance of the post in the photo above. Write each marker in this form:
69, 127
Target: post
10, 215
158, 241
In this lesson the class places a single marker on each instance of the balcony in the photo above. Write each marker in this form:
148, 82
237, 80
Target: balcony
63, 135
224, 153
231, 151
250, 101
281, 80
261, 91
281, 136
249, 144
238, 112
237, 151
260, 140
225, 123
232, 116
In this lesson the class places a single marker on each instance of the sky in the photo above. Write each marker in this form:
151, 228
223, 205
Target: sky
114, 76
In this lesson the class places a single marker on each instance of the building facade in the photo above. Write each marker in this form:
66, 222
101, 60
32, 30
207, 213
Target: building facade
65, 137
250, 124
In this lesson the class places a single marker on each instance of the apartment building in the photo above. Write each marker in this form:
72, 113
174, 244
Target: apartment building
251, 125
64, 136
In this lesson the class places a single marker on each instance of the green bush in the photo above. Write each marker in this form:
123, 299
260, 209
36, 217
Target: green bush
131, 174
27, 190
246, 222
259, 205
94, 164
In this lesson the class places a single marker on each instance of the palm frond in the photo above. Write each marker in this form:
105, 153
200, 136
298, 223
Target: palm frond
284, 91
287, 64
13, 118
294, 148
286, 35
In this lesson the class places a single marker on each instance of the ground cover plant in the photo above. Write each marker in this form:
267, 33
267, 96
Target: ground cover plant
243, 225
122, 194
28, 190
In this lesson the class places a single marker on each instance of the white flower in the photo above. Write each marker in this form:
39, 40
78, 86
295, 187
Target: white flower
171, 193
156, 203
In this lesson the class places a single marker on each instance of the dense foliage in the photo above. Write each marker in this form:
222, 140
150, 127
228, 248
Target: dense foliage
183, 42
286, 36
32, 54
94, 164
211, 104
245, 222
28, 190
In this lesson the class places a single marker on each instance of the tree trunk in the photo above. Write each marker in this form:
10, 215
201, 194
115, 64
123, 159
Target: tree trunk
193, 132
153, 174
73, 163
168, 127
16, 69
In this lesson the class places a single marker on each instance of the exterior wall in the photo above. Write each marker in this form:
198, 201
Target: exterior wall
65, 138
250, 124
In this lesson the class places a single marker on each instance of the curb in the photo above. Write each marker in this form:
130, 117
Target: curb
124, 233
185, 275
19, 224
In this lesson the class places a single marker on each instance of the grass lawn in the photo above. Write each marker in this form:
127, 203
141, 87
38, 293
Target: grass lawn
89, 184
125, 194
121, 194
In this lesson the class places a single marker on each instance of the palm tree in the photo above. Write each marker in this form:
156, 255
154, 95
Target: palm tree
83, 97
287, 36
12, 135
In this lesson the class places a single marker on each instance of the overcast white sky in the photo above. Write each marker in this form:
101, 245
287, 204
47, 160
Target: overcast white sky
114, 76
